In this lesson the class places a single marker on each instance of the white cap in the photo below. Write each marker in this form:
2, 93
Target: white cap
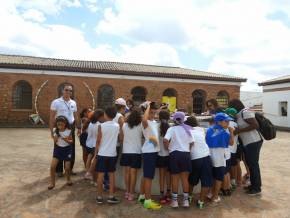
121, 101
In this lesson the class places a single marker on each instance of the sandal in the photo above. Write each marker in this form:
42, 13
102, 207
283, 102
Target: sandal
69, 183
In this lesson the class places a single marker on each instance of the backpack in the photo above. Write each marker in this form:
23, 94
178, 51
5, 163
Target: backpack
266, 128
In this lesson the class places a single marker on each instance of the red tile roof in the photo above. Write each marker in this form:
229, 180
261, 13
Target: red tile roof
40, 63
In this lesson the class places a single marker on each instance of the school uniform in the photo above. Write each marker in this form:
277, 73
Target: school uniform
218, 139
116, 120
150, 149
92, 137
67, 109
200, 160
163, 155
62, 150
107, 154
132, 146
234, 147
179, 149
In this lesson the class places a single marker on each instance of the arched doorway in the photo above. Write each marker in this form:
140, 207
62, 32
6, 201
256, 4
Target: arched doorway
169, 97
106, 96
223, 98
198, 101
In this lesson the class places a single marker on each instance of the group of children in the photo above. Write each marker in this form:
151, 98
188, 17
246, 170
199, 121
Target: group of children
150, 137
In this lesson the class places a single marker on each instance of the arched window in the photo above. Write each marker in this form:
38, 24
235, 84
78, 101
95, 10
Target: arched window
60, 89
138, 95
106, 96
22, 95
170, 92
198, 101
223, 98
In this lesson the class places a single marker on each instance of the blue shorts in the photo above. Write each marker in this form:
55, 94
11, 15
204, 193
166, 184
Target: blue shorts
162, 162
201, 170
179, 162
131, 160
106, 164
228, 166
218, 173
149, 164
90, 150
234, 161
83, 139
62, 153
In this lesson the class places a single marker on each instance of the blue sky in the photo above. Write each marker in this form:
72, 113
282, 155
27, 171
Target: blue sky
246, 38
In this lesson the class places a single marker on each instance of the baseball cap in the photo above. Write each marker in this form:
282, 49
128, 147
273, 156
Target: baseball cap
121, 101
231, 111
179, 115
222, 117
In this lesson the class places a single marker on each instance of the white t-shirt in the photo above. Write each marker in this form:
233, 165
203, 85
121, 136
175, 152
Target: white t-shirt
151, 132
132, 143
64, 108
250, 136
234, 147
218, 157
116, 120
60, 142
110, 132
178, 139
200, 148
92, 134
163, 151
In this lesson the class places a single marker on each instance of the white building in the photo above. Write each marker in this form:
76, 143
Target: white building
276, 98
251, 99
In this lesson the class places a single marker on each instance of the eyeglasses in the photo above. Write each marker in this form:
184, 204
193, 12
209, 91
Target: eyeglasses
68, 90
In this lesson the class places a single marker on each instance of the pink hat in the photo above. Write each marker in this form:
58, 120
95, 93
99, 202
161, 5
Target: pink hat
121, 101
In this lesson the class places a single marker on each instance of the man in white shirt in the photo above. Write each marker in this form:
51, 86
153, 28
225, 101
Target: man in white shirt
65, 106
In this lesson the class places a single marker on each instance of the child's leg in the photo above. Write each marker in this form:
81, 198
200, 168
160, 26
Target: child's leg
85, 155
168, 183
203, 193
142, 186
133, 178
239, 173
216, 189
89, 161
53, 165
127, 178
112, 183
147, 188
100, 178
175, 183
67, 171
161, 180
184, 180
226, 182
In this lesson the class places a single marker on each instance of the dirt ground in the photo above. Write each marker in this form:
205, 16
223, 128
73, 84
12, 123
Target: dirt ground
25, 155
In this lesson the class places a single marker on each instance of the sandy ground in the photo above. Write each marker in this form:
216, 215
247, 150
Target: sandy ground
25, 155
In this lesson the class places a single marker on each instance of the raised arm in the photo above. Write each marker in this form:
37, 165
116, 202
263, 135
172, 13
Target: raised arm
146, 116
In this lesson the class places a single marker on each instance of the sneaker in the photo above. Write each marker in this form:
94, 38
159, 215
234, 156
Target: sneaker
174, 204
200, 204
113, 200
99, 200
185, 203
88, 176
216, 201
141, 199
209, 196
126, 195
149, 204
226, 192
253, 192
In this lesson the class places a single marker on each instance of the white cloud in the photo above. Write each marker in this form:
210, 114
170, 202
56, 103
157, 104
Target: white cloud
92, 5
22, 36
34, 15
238, 35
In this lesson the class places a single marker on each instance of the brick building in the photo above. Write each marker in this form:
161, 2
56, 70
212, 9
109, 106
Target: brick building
29, 84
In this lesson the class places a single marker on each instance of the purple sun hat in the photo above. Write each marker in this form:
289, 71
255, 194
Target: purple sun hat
179, 118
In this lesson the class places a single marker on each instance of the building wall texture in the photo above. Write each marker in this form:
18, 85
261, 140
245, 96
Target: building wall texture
122, 88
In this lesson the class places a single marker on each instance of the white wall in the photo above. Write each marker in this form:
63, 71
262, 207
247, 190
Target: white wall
250, 99
271, 107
